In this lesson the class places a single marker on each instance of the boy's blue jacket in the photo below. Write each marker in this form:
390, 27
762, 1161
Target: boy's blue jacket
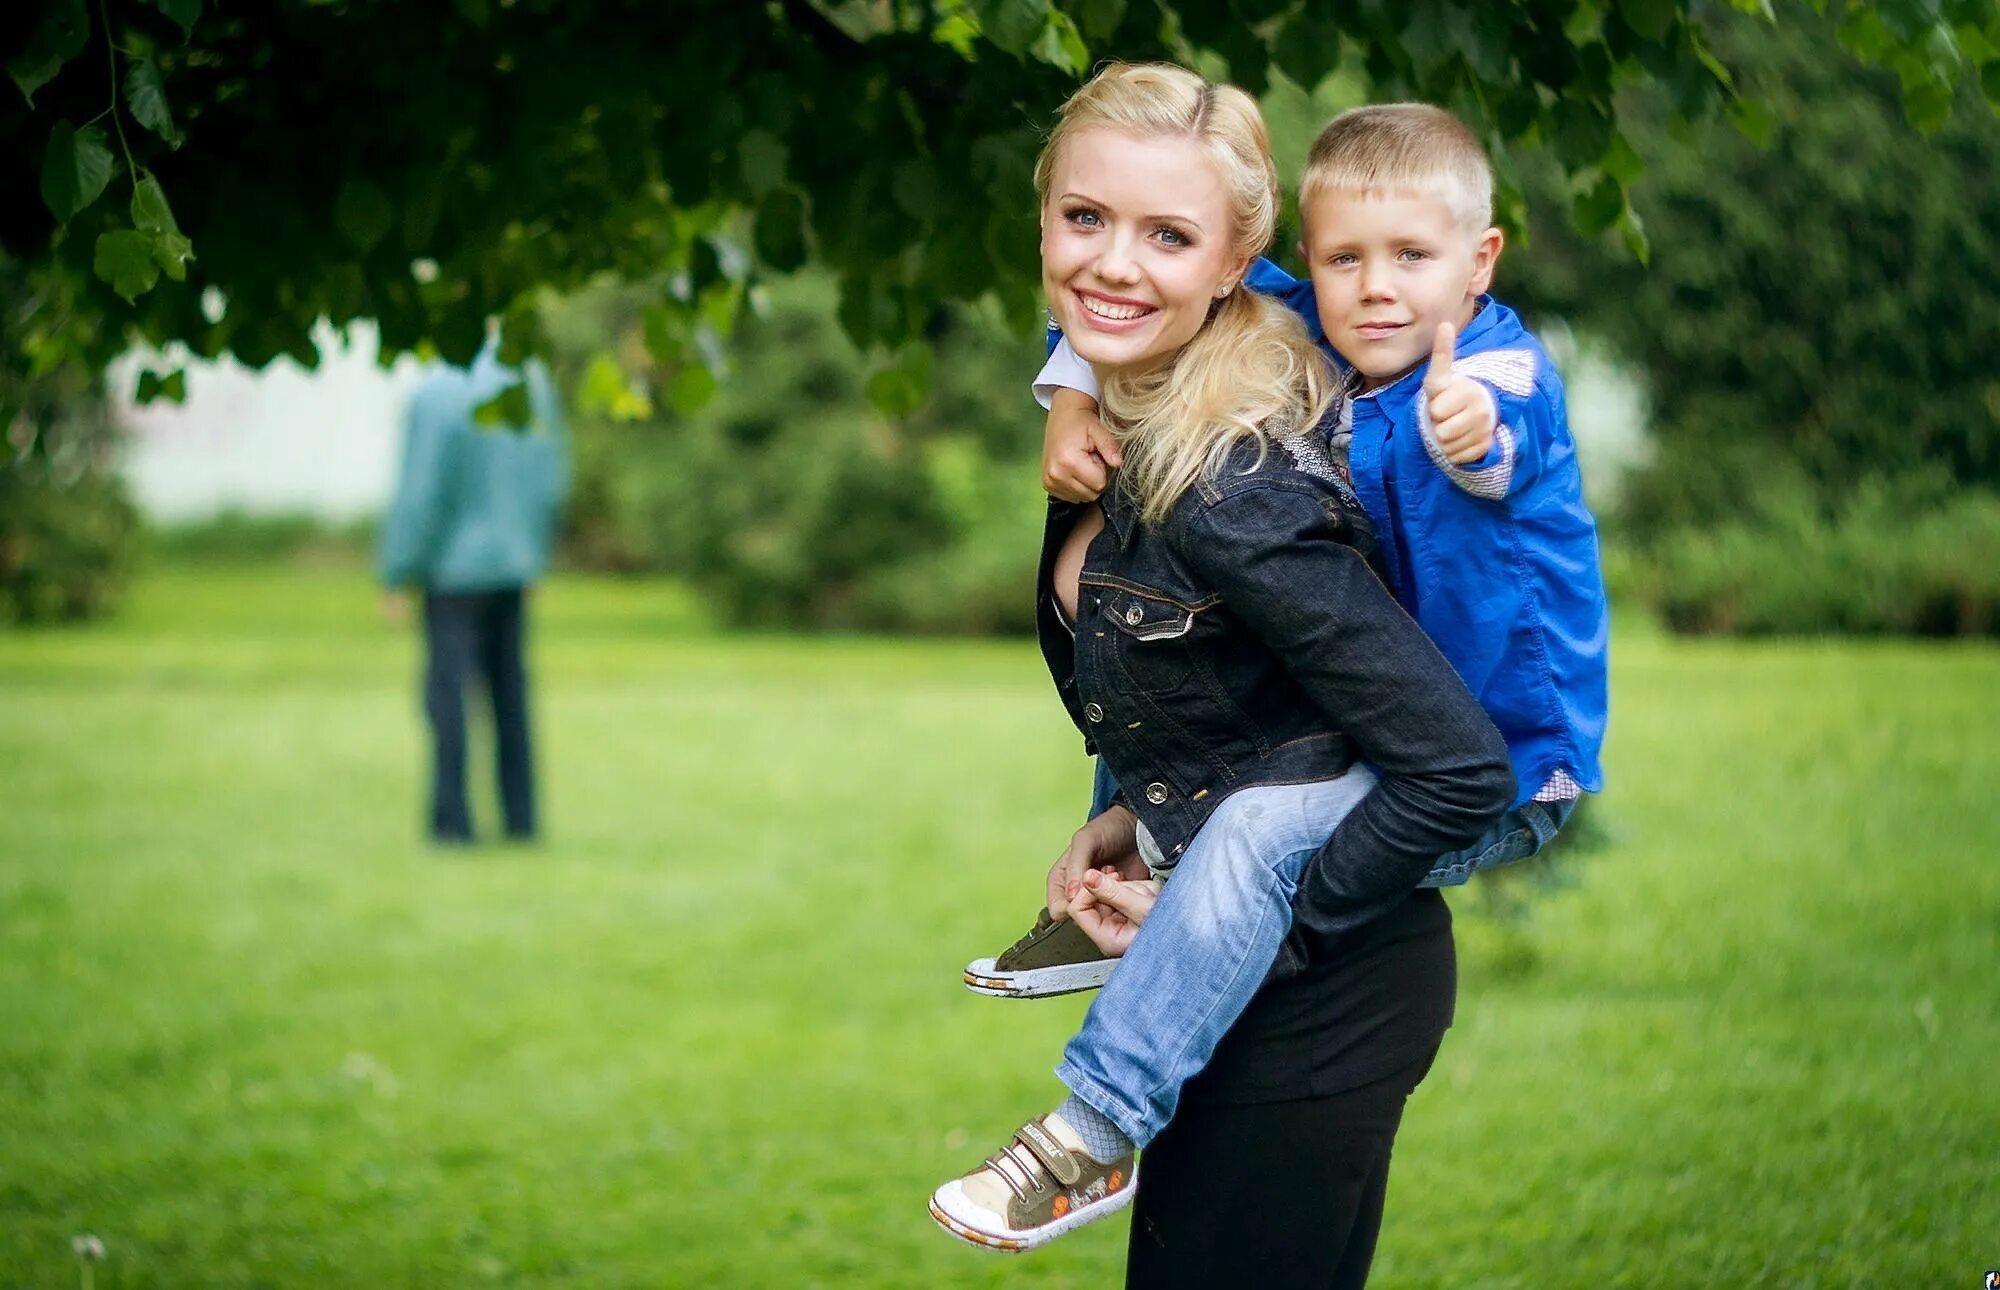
1507, 585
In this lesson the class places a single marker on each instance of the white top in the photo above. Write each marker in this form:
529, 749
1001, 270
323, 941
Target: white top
1064, 371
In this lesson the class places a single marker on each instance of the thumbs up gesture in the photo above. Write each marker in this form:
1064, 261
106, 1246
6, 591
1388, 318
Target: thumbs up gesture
1463, 415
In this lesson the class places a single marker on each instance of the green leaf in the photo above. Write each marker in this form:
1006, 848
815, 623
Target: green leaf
1927, 105
901, 388
57, 38
780, 230
509, 409
150, 212
668, 330
363, 213
1989, 82
1755, 120
124, 258
75, 169
1599, 208
1061, 45
152, 386
1652, 19
1621, 162
1098, 20
183, 12
146, 96
959, 34
1634, 232
1307, 49
914, 186
1013, 25
602, 387
1863, 33
761, 156
172, 251
1583, 133
691, 389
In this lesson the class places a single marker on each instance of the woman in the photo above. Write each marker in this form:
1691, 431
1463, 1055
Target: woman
1216, 632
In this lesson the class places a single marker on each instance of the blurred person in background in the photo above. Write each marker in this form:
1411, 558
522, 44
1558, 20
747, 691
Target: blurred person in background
470, 527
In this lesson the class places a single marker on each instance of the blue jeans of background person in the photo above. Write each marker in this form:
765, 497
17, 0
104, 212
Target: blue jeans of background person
1206, 947
470, 634
1520, 833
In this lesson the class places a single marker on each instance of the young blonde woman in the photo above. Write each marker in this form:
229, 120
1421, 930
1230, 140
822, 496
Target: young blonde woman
1215, 630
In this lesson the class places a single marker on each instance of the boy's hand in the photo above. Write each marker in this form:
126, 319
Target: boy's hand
1109, 841
1463, 417
1110, 911
1078, 453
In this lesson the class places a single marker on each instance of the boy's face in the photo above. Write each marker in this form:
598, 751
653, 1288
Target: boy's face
1386, 270
1136, 244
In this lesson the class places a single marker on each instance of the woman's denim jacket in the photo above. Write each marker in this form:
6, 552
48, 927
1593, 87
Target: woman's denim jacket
1247, 640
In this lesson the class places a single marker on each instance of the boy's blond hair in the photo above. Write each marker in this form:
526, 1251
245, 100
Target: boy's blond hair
1403, 150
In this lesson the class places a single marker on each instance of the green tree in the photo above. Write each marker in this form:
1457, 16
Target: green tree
222, 176
1819, 320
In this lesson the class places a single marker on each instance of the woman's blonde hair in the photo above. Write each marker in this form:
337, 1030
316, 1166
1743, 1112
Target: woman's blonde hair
1251, 372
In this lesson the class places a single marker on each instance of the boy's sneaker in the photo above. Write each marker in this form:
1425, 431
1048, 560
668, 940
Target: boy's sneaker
1053, 958
1037, 1187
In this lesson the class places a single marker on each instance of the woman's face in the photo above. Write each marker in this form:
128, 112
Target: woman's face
1136, 244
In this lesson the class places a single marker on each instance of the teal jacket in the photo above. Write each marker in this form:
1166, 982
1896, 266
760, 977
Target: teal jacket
475, 507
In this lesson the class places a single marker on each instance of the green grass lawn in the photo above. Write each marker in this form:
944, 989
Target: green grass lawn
253, 1033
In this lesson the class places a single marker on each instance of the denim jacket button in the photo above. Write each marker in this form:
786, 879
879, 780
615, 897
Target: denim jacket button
1092, 712
1156, 793
1135, 615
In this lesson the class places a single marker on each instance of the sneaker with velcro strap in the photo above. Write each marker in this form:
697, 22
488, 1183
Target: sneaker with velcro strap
1039, 1186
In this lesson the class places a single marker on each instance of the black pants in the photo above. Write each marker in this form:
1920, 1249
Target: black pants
469, 633
1268, 1196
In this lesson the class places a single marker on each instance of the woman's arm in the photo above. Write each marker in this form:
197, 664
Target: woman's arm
1275, 553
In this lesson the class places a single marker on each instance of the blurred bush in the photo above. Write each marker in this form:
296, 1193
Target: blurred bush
788, 500
67, 527
1875, 567
236, 536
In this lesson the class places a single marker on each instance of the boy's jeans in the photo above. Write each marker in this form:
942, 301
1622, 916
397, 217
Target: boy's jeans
1518, 834
1206, 947
1211, 939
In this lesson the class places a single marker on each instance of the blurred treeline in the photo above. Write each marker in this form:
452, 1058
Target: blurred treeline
1814, 331
789, 499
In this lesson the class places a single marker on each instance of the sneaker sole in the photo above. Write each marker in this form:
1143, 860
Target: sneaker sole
1022, 1242
981, 977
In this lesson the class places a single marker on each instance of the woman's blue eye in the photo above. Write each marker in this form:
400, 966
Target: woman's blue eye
1084, 216
1411, 253
1172, 236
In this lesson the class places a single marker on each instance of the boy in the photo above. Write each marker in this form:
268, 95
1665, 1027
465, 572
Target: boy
1455, 438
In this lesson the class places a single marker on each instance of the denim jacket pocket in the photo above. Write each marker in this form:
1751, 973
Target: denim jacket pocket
1151, 635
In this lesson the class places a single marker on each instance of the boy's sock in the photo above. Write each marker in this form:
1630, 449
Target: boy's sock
1103, 1140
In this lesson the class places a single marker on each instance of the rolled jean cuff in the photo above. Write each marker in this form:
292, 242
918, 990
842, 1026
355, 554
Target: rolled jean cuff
1108, 1103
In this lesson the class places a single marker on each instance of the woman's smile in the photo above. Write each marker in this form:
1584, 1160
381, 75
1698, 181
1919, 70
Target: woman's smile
1112, 313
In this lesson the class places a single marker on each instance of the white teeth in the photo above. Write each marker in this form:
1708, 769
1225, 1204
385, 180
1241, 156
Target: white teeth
1116, 313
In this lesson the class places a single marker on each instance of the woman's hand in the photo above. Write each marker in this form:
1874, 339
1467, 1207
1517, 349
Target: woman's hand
1111, 841
1109, 909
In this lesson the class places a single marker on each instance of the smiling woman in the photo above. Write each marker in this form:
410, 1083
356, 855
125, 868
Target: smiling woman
1215, 629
